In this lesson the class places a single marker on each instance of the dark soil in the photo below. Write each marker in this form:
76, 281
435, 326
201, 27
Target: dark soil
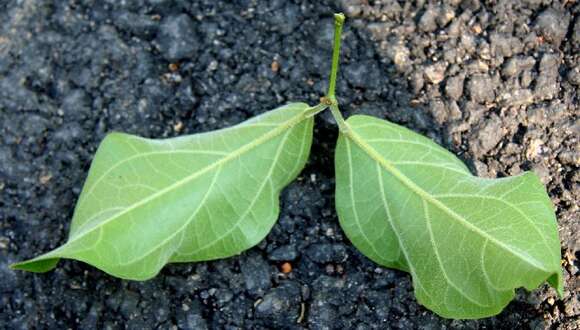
497, 83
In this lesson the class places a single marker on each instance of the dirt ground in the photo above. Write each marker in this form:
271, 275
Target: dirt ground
496, 82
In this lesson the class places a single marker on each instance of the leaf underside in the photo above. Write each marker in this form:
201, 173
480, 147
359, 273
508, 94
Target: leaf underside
199, 197
467, 242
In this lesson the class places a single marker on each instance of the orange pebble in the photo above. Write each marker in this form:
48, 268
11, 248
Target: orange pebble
173, 67
286, 268
275, 66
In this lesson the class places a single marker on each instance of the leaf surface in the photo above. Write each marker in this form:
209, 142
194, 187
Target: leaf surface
467, 242
199, 197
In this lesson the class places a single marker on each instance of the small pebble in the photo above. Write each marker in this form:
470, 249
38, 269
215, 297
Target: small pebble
553, 24
435, 73
286, 268
481, 88
177, 38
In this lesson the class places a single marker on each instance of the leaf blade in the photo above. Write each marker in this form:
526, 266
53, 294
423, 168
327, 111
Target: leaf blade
409, 194
226, 174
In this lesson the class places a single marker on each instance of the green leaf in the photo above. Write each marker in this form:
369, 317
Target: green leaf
200, 197
409, 204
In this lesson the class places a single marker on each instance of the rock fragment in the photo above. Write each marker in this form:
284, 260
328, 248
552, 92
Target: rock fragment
547, 85
177, 38
281, 305
481, 88
325, 253
487, 136
435, 72
428, 21
454, 87
552, 25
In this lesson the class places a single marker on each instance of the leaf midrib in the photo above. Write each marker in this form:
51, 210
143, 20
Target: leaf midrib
242, 150
376, 156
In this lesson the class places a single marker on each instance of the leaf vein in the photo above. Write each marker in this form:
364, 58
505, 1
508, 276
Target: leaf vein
424, 195
245, 148
438, 257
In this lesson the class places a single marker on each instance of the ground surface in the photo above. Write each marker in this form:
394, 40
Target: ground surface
496, 83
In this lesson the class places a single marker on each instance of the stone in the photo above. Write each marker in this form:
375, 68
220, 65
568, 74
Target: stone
454, 87
177, 38
281, 305
552, 25
435, 72
547, 85
325, 253
284, 253
487, 136
256, 273
428, 21
481, 88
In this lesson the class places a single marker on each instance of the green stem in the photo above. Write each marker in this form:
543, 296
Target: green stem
338, 23
342, 125
315, 109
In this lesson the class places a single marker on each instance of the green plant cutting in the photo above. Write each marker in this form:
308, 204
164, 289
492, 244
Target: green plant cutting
402, 200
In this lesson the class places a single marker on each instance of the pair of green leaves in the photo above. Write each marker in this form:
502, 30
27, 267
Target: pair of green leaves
403, 201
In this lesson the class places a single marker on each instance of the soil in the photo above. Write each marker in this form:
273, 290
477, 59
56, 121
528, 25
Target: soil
497, 83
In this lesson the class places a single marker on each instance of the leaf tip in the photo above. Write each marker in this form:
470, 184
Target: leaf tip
557, 282
35, 265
